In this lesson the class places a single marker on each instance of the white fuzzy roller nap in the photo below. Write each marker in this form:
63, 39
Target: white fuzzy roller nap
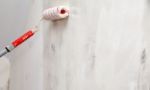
56, 13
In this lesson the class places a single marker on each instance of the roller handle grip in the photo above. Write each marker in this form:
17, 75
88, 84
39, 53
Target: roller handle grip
23, 38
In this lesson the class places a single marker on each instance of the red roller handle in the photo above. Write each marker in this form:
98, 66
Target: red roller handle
23, 38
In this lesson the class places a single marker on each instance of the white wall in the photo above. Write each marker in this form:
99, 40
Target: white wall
103, 45
4, 73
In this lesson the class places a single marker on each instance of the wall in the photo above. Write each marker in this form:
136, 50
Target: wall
4, 73
103, 45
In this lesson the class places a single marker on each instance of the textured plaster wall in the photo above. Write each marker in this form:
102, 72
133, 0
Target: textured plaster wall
103, 45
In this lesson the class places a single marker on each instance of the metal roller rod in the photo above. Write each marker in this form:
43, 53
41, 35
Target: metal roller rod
6, 50
3, 52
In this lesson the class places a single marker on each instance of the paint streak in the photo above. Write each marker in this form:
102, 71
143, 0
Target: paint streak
143, 57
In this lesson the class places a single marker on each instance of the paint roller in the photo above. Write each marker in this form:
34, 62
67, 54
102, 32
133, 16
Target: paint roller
53, 14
